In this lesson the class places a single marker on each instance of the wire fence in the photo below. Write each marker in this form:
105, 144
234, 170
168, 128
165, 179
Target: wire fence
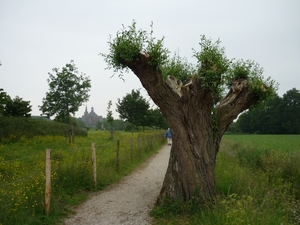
37, 182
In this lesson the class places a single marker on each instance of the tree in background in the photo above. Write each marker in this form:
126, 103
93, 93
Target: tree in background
16, 107
291, 111
192, 98
134, 109
4, 98
262, 119
279, 116
67, 92
156, 119
110, 119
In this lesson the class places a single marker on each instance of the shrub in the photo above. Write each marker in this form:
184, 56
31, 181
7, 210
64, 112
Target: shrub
12, 128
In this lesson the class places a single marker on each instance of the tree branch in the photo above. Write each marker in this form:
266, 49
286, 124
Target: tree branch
238, 99
151, 78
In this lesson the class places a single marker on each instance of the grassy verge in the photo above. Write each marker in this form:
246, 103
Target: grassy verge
256, 184
22, 172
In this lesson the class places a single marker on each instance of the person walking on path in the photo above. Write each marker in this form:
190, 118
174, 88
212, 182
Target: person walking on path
169, 137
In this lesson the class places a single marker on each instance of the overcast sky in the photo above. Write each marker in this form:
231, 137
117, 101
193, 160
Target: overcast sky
38, 35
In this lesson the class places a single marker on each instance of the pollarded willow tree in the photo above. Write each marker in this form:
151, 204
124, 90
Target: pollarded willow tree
198, 101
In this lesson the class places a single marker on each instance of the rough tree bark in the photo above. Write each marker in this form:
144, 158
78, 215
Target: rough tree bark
196, 132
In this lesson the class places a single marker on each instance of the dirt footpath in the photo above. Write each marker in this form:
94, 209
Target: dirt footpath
129, 201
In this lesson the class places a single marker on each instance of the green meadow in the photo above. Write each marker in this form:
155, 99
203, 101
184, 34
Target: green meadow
258, 182
258, 178
284, 143
22, 171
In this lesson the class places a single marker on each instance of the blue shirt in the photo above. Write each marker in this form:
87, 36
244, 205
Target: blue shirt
168, 134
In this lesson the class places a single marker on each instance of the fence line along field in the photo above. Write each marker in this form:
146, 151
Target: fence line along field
22, 171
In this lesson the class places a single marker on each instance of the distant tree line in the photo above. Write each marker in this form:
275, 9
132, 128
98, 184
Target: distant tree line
281, 115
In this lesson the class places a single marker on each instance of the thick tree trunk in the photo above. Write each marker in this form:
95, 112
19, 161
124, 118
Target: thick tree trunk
196, 130
190, 172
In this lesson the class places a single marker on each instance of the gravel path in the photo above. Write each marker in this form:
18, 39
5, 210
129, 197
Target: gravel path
129, 201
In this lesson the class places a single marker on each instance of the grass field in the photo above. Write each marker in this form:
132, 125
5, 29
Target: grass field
258, 182
258, 178
22, 172
286, 143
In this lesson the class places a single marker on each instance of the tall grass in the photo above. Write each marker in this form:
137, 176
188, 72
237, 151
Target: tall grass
22, 172
257, 183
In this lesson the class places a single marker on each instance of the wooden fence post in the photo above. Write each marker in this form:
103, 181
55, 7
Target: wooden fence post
118, 156
48, 181
131, 149
147, 144
94, 165
140, 146
151, 142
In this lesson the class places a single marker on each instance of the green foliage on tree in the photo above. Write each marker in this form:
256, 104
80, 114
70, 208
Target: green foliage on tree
178, 67
156, 119
4, 98
133, 108
67, 92
127, 46
16, 107
291, 111
214, 69
279, 116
